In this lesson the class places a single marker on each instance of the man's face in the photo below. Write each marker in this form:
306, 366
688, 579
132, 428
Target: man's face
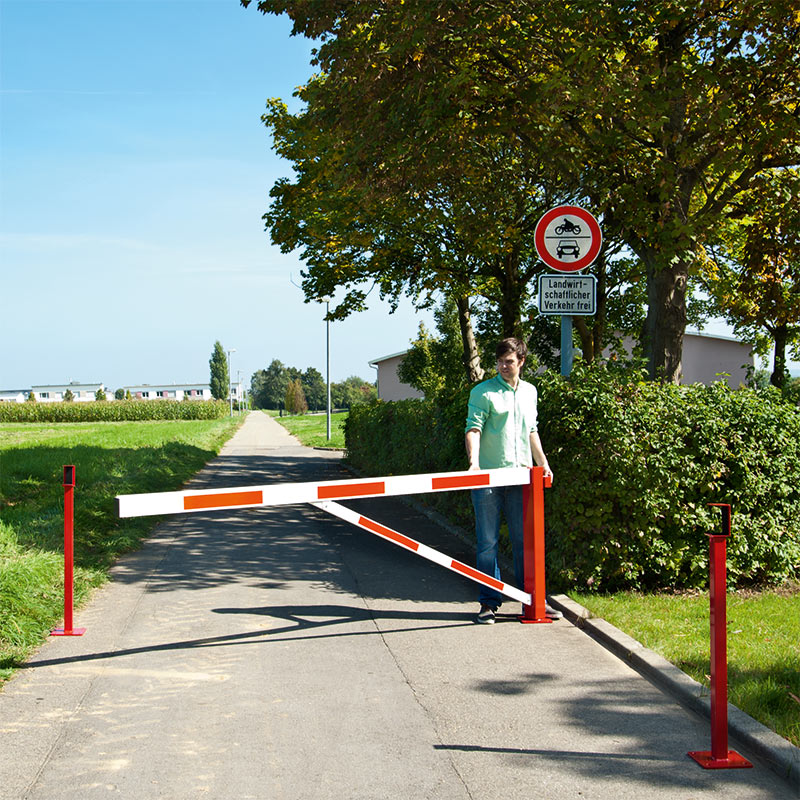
509, 366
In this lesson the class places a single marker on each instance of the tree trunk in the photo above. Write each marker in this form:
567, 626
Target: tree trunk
587, 340
472, 359
666, 318
511, 292
778, 377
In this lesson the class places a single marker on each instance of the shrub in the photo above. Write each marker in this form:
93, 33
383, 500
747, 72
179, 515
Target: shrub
636, 465
118, 411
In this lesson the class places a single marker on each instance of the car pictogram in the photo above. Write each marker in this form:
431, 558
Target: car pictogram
568, 247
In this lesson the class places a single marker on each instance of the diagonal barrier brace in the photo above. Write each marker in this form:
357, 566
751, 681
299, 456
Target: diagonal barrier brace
422, 550
323, 494
279, 494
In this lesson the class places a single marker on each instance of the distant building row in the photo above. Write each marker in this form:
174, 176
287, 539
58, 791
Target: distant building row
85, 392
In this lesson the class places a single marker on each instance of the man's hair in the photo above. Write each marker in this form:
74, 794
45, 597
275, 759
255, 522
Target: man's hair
511, 345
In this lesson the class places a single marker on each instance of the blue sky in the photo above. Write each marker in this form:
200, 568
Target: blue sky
135, 171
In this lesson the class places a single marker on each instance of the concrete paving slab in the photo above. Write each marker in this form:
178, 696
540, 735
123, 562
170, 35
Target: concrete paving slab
280, 653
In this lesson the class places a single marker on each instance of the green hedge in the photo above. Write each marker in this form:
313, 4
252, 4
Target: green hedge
112, 411
636, 465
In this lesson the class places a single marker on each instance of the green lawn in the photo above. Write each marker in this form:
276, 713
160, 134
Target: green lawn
763, 644
311, 429
110, 458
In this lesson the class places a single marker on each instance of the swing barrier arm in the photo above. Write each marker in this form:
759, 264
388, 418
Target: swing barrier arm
323, 495
281, 494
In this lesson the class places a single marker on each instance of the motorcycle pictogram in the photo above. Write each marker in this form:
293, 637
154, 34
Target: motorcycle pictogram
568, 227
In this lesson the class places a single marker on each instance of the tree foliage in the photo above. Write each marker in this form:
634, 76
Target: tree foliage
315, 388
660, 117
352, 391
218, 365
753, 272
295, 402
270, 388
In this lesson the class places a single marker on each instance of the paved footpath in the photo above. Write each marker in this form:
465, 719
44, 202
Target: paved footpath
280, 653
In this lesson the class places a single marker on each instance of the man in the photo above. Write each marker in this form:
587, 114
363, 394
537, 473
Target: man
501, 431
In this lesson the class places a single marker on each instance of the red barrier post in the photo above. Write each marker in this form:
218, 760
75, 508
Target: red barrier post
719, 757
69, 571
533, 514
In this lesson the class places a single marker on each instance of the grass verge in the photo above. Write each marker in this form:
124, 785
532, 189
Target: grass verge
763, 644
311, 429
110, 458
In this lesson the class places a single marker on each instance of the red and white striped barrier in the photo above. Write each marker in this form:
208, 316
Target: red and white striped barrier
282, 494
323, 494
348, 515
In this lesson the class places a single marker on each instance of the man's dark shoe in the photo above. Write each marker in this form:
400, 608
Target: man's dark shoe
486, 615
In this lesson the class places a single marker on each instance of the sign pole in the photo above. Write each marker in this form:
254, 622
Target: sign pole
566, 345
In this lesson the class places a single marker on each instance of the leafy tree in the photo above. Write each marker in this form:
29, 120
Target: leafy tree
219, 373
295, 397
119, 394
315, 388
68, 396
434, 365
753, 276
100, 395
31, 398
463, 232
352, 391
661, 116
268, 386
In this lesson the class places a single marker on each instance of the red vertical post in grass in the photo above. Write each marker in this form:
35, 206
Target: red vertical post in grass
719, 757
69, 566
533, 512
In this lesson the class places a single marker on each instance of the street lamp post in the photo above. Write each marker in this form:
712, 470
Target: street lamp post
230, 393
327, 302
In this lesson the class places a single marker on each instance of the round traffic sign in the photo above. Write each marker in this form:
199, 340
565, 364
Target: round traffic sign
568, 238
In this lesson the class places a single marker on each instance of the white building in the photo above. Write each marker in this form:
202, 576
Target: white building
706, 357
390, 387
81, 392
14, 395
174, 391
179, 391
86, 392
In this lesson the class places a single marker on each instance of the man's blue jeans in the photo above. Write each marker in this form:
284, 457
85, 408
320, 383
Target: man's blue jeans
490, 504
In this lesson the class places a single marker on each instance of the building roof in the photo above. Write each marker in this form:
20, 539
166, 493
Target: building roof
56, 387
386, 358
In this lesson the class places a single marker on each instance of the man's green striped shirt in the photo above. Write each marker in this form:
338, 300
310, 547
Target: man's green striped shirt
505, 418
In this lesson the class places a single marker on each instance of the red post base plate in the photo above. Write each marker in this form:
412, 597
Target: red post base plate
529, 617
73, 632
707, 761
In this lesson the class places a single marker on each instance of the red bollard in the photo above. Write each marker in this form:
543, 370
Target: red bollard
719, 757
533, 514
69, 488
